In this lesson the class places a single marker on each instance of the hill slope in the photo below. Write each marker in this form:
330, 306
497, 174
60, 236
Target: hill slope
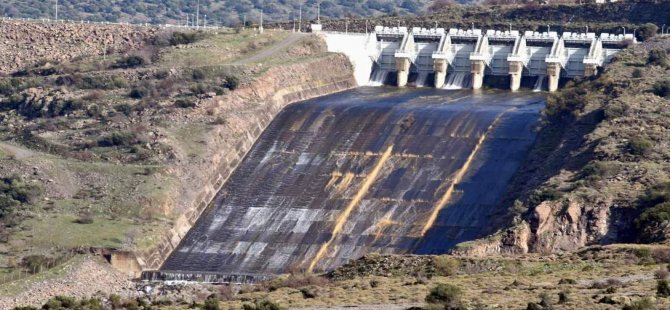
229, 12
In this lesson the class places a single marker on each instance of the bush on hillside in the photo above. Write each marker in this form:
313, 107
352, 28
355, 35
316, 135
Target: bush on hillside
262, 305
198, 74
129, 62
120, 138
14, 192
446, 295
143, 91
650, 222
446, 265
662, 288
658, 57
662, 88
37, 263
183, 38
639, 146
211, 303
232, 82
647, 31
659, 193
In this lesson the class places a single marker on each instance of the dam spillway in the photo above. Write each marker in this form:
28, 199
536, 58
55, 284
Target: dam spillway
371, 170
419, 56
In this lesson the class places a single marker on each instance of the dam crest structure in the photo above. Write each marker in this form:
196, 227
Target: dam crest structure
460, 58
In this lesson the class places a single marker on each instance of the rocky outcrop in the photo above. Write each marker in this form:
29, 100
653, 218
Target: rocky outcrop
24, 44
248, 111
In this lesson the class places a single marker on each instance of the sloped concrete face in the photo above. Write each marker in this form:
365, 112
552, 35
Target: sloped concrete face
381, 170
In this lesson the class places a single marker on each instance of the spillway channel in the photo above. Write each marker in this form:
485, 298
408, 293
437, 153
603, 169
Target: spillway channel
374, 169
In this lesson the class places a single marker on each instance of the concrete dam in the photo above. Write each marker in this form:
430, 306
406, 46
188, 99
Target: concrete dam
370, 170
384, 169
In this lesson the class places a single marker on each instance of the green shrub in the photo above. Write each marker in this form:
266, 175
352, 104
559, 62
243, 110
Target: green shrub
599, 170
616, 110
647, 31
662, 88
446, 265
546, 194
124, 138
563, 297
308, 293
658, 57
656, 194
198, 74
142, 91
232, 82
124, 108
262, 305
60, 302
184, 103
211, 303
637, 73
662, 288
37, 263
199, 89
639, 146
116, 302
129, 62
446, 295
14, 192
24, 308
119, 82
183, 38
651, 221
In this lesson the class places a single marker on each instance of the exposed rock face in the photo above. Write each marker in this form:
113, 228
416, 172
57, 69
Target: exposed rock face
26, 43
565, 226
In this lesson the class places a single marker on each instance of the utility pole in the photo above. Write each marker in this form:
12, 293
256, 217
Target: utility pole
197, 15
260, 29
56, 10
244, 21
318, 13
205, 25
300, 19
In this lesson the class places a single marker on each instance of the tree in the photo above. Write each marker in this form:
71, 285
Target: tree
446, 295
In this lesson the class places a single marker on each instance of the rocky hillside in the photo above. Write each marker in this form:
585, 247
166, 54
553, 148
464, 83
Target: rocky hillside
599, 172
25, 44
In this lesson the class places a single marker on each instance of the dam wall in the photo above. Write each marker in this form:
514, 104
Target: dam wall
460, 58
255, 106
385, 170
